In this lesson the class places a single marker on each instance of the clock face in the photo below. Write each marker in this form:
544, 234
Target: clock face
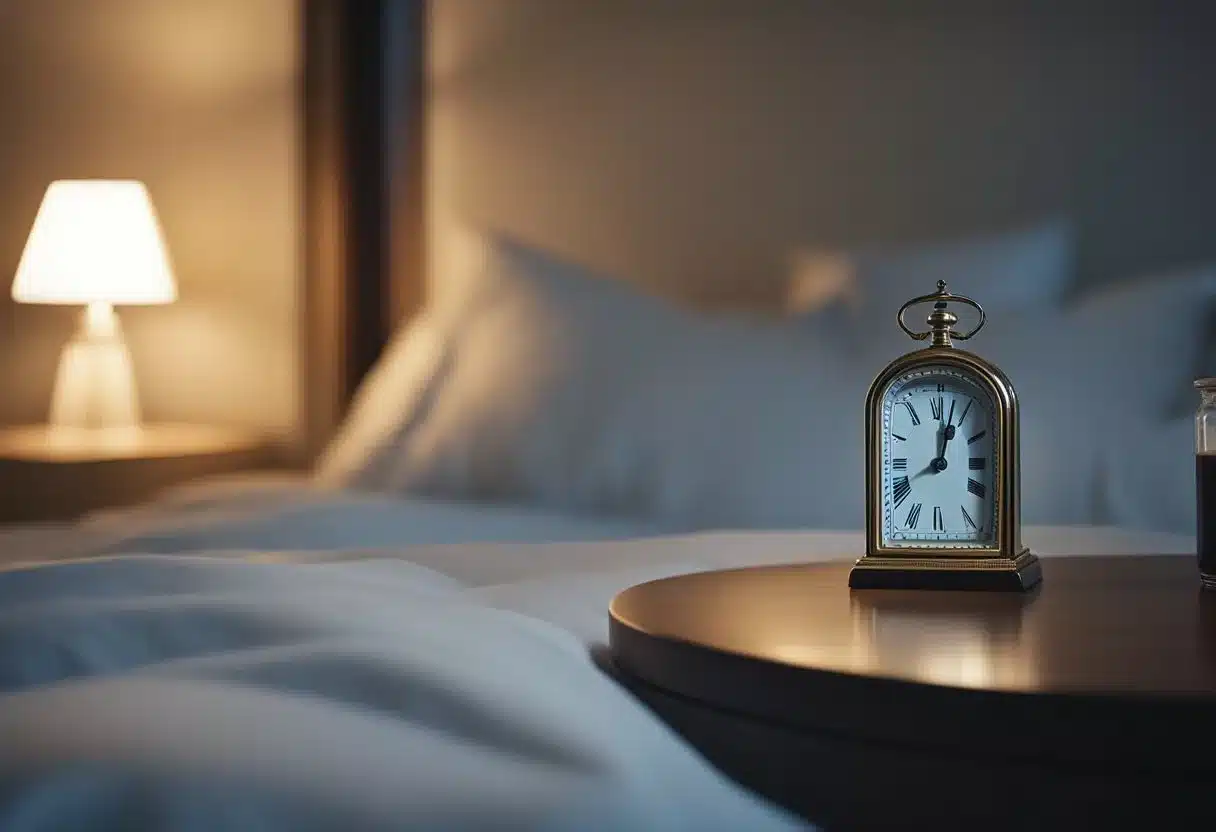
939, 466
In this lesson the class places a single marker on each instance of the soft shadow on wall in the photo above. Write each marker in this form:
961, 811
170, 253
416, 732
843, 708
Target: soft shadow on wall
197, 98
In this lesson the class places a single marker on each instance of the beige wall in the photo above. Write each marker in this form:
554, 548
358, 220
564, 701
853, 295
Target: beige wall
691, 144
198, 99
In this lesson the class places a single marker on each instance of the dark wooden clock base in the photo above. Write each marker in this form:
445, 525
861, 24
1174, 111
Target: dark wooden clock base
988, 575
1088, 703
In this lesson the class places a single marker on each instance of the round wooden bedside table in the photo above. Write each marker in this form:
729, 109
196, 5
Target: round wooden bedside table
1090, 700
50, 475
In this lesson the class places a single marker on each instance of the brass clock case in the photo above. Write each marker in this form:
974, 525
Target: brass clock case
1005, 564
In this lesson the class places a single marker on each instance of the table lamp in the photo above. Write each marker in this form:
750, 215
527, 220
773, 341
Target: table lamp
95, 243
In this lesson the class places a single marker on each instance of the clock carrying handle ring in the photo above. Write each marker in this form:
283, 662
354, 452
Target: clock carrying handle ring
941, 321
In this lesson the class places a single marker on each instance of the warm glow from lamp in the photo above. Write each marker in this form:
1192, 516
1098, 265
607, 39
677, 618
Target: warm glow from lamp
96, 243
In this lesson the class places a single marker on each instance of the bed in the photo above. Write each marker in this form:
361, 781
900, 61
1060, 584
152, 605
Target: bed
276, 656
401, 634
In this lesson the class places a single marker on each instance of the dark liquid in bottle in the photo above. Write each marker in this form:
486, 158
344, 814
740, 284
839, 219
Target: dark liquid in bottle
1205, 491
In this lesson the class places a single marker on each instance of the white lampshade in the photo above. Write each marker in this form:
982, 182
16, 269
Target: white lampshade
95, 241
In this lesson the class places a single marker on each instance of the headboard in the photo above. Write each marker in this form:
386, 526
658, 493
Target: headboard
363, 249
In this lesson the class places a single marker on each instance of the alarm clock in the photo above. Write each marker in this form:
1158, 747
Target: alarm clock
942, 467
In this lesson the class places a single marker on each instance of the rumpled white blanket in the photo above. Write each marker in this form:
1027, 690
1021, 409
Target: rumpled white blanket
249, 662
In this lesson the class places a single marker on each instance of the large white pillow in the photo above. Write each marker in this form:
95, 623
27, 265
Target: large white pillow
1007, 271
566, 389
541, 382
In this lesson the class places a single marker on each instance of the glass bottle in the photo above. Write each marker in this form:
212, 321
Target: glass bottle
1205, 480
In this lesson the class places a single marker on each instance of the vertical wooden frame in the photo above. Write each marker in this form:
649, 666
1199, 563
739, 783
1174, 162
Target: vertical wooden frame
363, 244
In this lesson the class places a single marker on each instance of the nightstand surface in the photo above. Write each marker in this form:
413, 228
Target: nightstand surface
1073, 691
38, 443
50, 475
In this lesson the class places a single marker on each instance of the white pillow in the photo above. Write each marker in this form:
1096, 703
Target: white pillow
1151, 335
551, 385
395, 392
1162, 327
1149, 476
389, 397
577, 392
1006, 271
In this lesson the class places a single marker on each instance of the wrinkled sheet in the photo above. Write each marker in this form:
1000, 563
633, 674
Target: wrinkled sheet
275, 657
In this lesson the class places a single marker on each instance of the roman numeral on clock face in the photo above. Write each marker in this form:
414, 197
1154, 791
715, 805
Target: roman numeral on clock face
977, 437
939, 522
977, 463
976, 488
913, 516
900, 464
900, 490
967, 518
912, 412
937, 407
966, 409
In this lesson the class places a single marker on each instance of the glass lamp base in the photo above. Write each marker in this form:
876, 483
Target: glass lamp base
95, 382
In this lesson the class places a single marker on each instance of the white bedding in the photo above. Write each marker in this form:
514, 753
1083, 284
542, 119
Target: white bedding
279, 657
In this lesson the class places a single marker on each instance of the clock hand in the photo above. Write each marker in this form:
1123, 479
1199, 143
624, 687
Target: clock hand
950, 427
940, 464
947, 435
948, 432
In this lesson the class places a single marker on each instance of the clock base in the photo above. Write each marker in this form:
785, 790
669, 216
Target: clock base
1018, 574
